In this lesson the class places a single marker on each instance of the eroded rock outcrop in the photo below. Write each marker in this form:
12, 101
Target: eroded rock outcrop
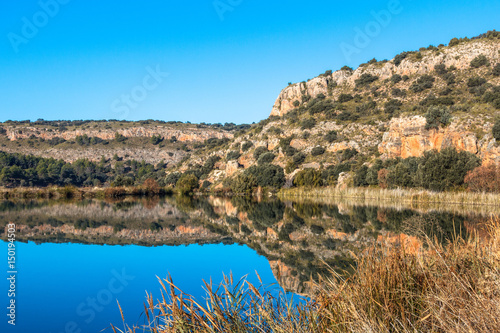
408, 137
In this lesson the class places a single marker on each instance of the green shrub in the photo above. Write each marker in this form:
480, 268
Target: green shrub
479, 61
119, 137
396, 92
348, 153
440, 69
437, 116
296, 104
308, 123
186, 184
475, 81
172, 178
243, 184
233, 155
496, 70
259, 151
266, 158
268, 175
331, 174
289, 151
347, 69
345, 98
396, 78
331, 136
308, 177
299, 158
246, 145
392, 106
496, 130
400, 57
360, 176
156, 139
422, 83
320, 105
444, 170
365, 80
454, 41
316, 151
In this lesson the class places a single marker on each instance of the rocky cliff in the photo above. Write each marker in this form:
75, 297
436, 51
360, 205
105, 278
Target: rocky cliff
459, 56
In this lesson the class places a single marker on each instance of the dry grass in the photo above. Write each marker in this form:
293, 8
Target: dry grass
70, 192
484, 203
394, 289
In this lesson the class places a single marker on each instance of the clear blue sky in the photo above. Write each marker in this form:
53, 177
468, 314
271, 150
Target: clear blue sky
225, 65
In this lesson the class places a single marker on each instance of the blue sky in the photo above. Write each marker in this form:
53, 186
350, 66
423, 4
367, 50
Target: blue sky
226, 60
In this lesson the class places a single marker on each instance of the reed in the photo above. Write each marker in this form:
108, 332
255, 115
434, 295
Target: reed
410, 197
452, 288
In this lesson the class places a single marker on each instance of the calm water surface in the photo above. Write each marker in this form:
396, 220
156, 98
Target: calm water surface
75, 259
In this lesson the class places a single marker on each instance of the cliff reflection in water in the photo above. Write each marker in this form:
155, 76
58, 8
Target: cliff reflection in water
298, 239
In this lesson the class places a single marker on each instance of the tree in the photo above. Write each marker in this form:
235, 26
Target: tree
268, 175
187, 184
308, 177
259, 151
437, 116
439, 171
243, 184
266, 158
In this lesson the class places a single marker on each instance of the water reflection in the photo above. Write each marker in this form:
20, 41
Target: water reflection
299, 239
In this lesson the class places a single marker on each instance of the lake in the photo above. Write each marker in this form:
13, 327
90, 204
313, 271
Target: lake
76, 258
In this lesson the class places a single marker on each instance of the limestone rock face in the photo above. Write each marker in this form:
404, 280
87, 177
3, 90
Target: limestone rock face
459, 56
408, 137
188, 134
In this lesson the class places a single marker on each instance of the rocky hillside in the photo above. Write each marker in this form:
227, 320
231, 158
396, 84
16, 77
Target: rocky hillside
430, 99
149, 141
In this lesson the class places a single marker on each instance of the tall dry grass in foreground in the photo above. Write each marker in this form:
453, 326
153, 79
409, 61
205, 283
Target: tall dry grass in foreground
435, 289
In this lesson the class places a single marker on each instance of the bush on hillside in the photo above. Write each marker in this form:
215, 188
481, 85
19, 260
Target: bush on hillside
365, 80
259, 151
331, 136
437, 116
187, 184
422, 83
308, 123
266, 158
243, 184
268, 175
308, 177
479, 61
343, 98
233, 155
496, 130
316, 151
